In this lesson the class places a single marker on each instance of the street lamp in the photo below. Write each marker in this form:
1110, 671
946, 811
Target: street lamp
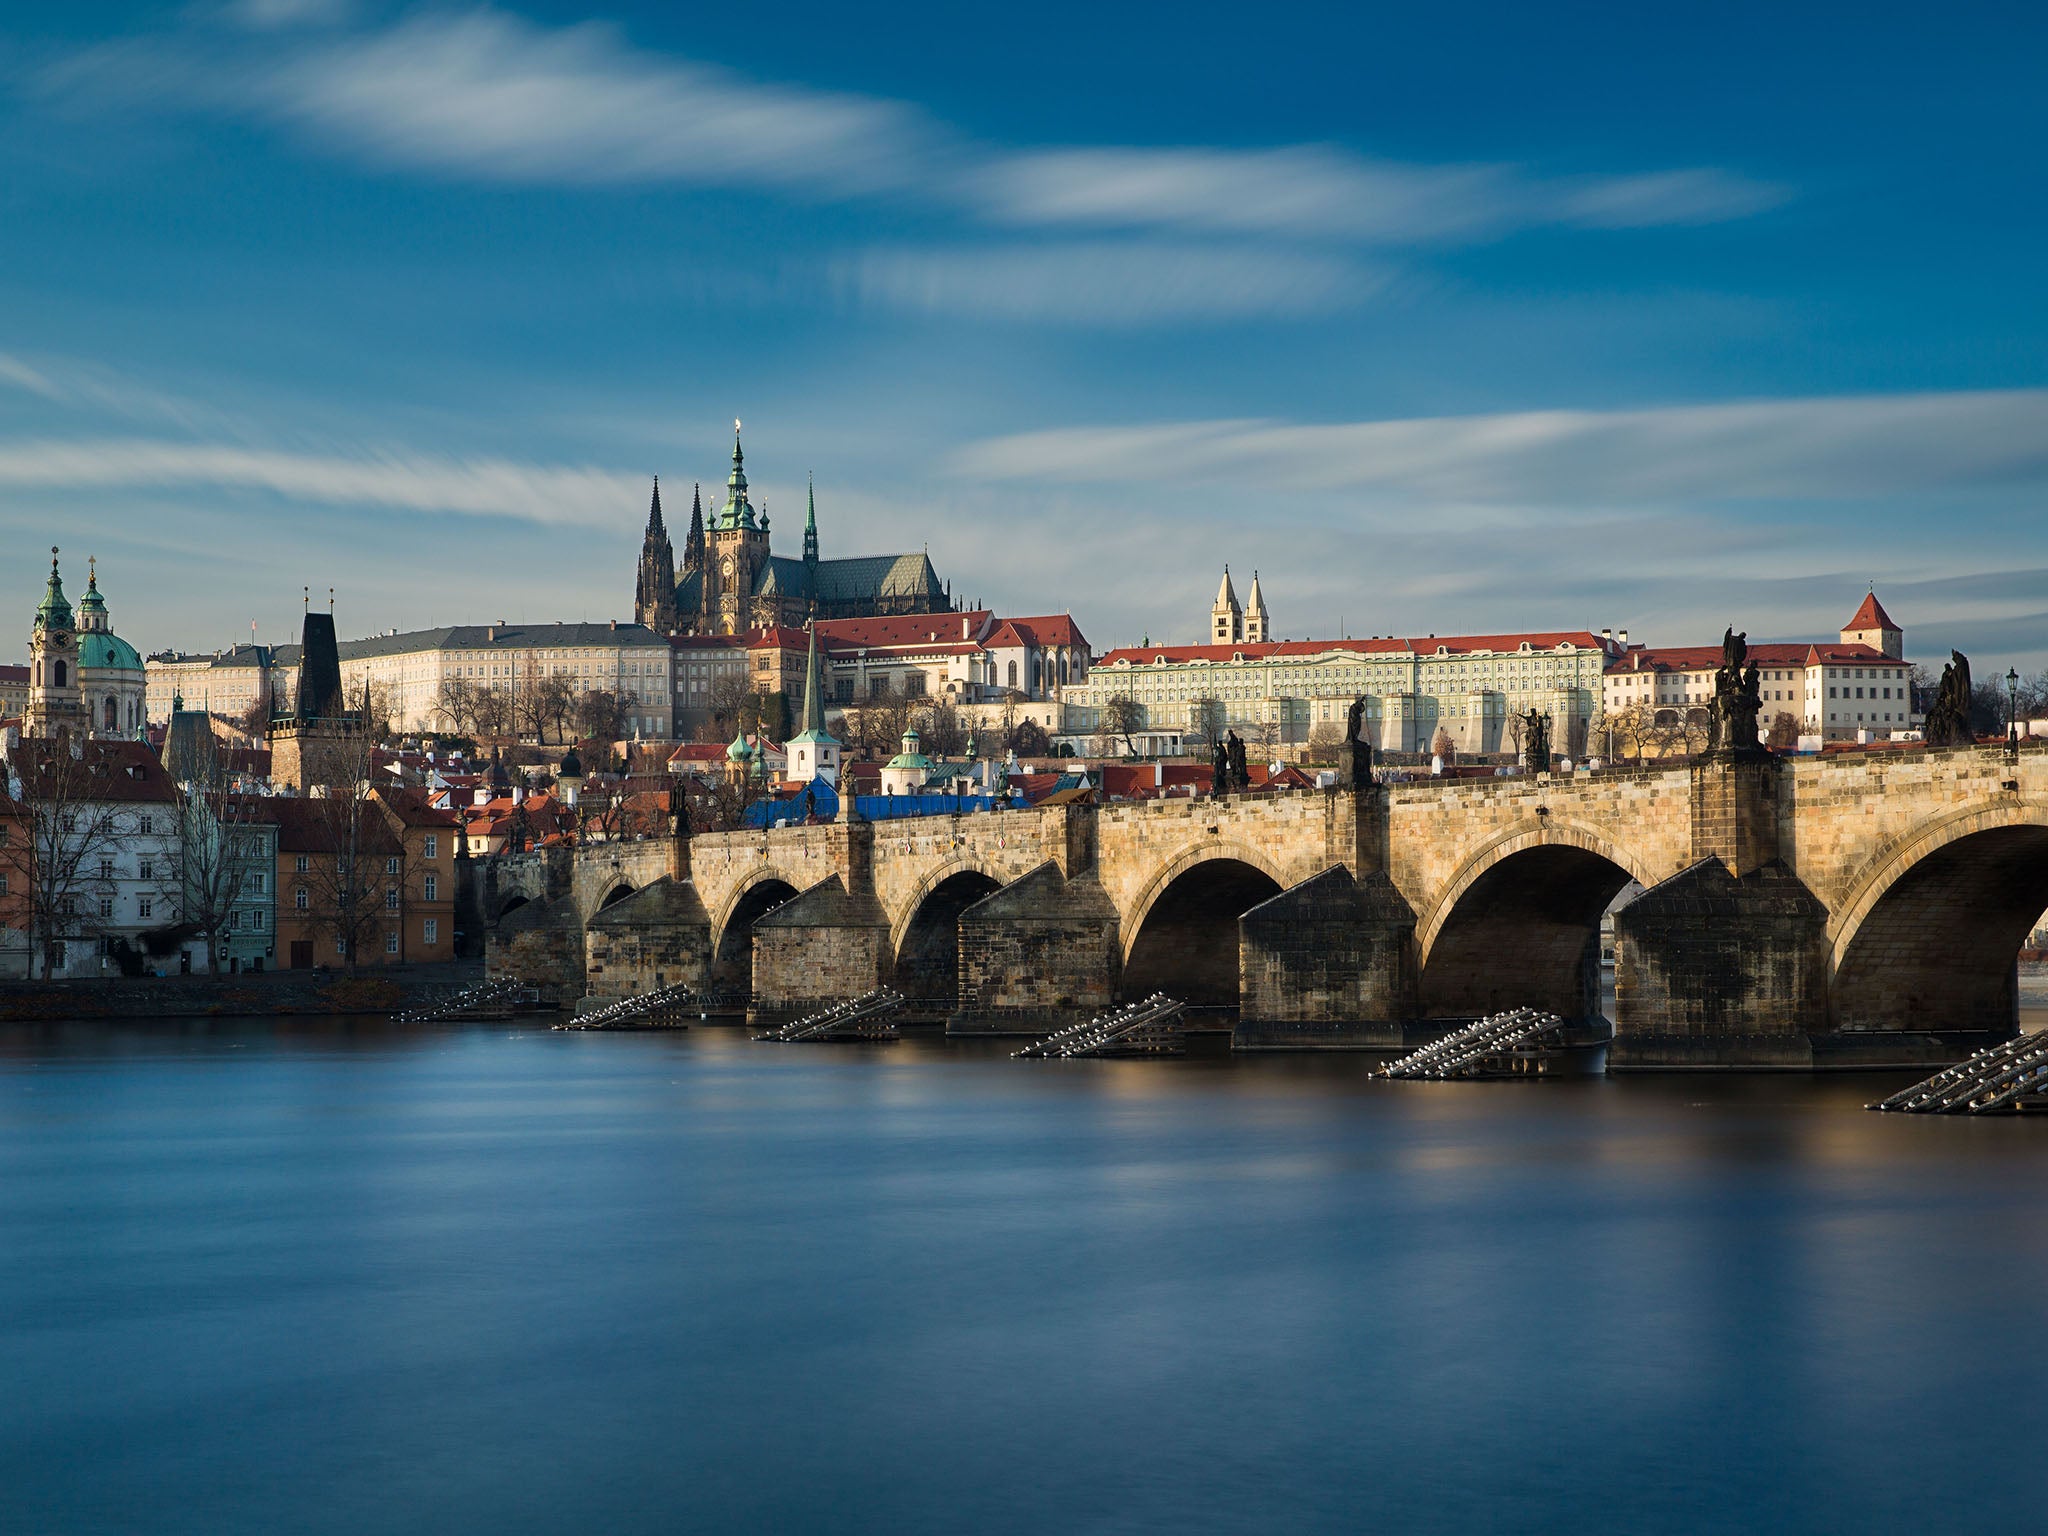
2012, 708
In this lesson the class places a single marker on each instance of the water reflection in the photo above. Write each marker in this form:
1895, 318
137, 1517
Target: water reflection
258, 1276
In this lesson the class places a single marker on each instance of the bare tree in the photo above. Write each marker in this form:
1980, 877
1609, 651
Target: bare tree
63, 835
1207, 720
455, 705
1784, 734
1028, 739
1123, 715
221, 853
491, 713
1629, 730
944, 733
1324, 740
601, 714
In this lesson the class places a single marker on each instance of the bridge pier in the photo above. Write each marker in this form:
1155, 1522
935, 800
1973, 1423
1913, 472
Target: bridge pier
660, 936
825, 945
1038, 954
1327, 965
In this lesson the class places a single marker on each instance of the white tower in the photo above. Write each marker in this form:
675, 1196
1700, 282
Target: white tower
54, 701
1255, 624
1226, 619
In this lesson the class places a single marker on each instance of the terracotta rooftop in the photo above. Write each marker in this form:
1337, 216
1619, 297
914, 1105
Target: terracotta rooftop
1423, 646
1871, 616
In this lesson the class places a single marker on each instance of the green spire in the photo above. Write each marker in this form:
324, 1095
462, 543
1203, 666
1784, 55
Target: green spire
814, 695
55, 609
738, 513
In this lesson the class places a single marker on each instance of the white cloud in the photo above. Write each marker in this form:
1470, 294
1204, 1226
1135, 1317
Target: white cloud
571, 495
488, 95
1107, 284
1870, 446
270, 15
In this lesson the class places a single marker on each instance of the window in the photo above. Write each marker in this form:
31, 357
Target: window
301, 866
70, 822
142, 906
391, 899
106, 869
430, 931
146, 826
235, 919
256, 919
430, 846
299, 898
432, 888
391, 866
145, 870
340, 944
106, 906
256, 884
3, 885
391, 943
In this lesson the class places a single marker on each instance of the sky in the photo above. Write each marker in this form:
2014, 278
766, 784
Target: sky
1442, 319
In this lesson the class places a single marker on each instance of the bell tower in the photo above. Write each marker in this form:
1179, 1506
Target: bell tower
654, 591
55, 703
738, 548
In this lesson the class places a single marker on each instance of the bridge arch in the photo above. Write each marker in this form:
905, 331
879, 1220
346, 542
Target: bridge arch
732, 927
613, 894
925, 938
1181, 936
1928, 934
1519, 924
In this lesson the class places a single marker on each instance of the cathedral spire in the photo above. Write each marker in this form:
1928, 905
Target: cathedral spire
739, 512
654, 523
693, 541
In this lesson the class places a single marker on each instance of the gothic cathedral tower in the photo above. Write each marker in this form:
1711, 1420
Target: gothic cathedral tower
738, 550
654, 590
54, 701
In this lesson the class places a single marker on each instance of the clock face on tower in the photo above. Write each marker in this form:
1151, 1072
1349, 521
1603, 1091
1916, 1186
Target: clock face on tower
726, 567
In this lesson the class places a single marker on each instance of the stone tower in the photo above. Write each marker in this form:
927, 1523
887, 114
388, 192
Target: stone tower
1226, 619
1873, 627
1256, 626
738, 549
55, 703
654, 589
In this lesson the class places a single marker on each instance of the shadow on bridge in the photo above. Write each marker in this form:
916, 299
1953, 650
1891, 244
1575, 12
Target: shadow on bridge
1938, 937
928, 958
732, 964
1187, 944
1524, 933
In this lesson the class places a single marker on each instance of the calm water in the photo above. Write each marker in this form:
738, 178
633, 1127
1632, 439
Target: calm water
261, 1278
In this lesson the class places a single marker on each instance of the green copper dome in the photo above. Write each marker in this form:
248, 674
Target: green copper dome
100, 650
92, 603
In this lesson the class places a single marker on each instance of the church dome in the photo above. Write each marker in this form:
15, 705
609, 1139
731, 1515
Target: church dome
101, 650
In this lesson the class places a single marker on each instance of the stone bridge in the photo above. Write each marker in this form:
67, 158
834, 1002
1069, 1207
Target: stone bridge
1839, 909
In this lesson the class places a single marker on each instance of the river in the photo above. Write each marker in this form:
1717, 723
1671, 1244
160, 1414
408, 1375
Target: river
271, 1276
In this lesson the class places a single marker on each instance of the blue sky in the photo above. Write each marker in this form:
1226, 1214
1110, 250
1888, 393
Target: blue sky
1444, 320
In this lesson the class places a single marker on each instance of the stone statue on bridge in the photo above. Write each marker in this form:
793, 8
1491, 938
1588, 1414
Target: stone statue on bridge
1219, 770
1354, 757
1737, 700
1240, 775
1948, 717
1535, 741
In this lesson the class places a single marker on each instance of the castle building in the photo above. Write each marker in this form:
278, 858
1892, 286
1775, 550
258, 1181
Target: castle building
82, 676
729, 580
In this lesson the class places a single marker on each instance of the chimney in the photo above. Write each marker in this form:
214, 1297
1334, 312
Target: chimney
1623, 637
491, 632
615, 623
1607, 635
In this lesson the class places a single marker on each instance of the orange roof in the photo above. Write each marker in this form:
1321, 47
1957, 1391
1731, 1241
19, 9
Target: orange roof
1041, 630
1427, 645
1707, 658
1871, 616
902, 629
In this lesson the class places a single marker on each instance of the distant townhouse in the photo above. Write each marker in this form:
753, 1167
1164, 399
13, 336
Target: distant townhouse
424, 907
13, 692
94, 846
336, 869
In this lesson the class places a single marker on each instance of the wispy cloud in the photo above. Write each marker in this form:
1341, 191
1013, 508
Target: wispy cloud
1319, 191
1124, 284
483, 487
1828, 447
487, 95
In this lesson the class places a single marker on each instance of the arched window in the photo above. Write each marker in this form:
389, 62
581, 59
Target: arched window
58, 676
1013, 674
111, 713
1063, 670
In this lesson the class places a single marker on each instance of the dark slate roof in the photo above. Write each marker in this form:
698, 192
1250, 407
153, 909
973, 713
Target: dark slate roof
504, 637
860, 579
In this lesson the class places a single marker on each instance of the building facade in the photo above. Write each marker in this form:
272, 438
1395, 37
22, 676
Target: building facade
242, 680
729, 581
1280, 693
1654, 696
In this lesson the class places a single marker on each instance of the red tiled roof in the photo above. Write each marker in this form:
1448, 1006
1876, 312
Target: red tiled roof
1038, 630
1871, 616
902, 629
1707, 658
9, 674
110, 773
1425, 646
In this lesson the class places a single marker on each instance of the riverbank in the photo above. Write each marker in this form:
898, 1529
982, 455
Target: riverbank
275, 992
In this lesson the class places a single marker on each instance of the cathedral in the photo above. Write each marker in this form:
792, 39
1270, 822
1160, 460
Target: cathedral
728, 582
